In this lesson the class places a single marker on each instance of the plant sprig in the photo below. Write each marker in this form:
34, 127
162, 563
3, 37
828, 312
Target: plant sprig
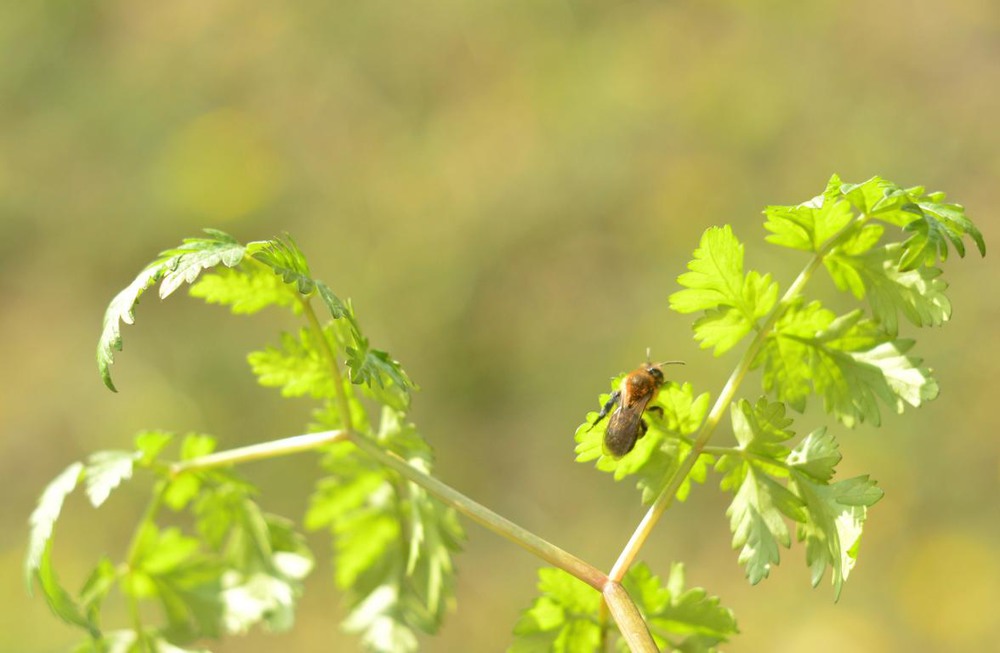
221, 565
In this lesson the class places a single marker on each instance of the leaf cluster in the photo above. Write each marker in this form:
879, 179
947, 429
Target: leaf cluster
855, 363
393, 543
219, 565
233, 566
566, 617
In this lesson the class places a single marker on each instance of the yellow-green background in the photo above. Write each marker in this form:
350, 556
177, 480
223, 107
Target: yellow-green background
508, 191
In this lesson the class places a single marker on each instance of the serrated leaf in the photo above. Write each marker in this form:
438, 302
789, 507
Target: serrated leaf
937, 225
563, 618
149, 445
246, 290
105, 471
285, 258
680, 619
715, 276
757, 525
338, 309
848, 361
58, 599
297, 367
43, 518
380, 373
808, 226
832, 532
172, 268
917, 294
715, 283
816, 456
393, 543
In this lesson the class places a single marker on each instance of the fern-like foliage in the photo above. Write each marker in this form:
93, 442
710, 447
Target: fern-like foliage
238, 566
206, 561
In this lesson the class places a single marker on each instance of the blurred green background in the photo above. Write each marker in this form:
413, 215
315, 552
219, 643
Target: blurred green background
508, 191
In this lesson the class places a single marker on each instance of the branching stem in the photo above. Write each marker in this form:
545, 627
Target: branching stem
725, 398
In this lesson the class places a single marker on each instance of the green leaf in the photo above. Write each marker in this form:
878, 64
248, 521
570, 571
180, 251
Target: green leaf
810, 225
932, 223
149, 445
59, 600
105, 471
175, 266
816, 456
757, 525
383, 376
297, 367
393, 543
849, 361
285, 258
715, 283
563, 618
832, 532
97, 587
681, 619
246, 290
43, 519
338, 309
937, 225
917, 294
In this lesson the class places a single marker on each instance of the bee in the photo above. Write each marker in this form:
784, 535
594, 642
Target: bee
626, 425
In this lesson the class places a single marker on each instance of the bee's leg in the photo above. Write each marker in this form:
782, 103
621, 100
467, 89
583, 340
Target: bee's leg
656, 409
643, 427
614, 399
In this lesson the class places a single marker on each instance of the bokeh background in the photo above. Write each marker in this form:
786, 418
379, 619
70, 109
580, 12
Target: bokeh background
508, 191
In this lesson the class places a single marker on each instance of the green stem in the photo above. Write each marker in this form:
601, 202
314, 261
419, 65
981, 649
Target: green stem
132, 559
486, 517
331, 359
633, 627
260, 451
666, 496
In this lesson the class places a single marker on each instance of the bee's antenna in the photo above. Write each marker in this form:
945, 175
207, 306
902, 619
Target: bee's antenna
669, 363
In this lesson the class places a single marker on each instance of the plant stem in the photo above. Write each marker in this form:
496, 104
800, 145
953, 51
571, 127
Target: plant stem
486, 517
331, 358
132, 558
666, 496
633, 627
260, 451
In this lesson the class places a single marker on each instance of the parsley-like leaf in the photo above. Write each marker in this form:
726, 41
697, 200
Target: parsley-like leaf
760, 504
297, 367
849, 361
246, 290
44, 517
174, 267
836, 516
680, 619
715, 283
393, 542
105, 471
808, 226
918, 294
563, 619
285, 258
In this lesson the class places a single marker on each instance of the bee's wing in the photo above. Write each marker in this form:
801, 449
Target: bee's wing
624, 428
